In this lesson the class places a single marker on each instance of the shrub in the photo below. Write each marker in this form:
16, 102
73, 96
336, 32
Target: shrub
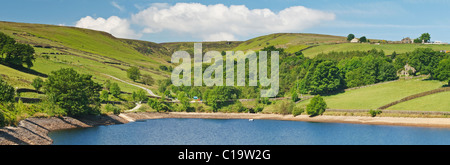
112, 108
163, 68
140, 95
258, 109
294, 97
7, 115
374, 113
317, 106
147, 79
285, 107
37, 83
104, 95
158, 105
115, 90
265, 100
107, 84
239, 107
133, 73
297, 111
6, 92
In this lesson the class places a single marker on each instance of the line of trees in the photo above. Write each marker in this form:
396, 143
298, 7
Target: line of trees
335, 71
361, 39
426, 62
425, 37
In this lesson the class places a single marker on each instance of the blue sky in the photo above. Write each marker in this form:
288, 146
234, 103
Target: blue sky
196, 20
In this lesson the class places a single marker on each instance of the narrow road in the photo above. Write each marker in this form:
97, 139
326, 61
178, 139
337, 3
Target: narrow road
138, 105
148, 90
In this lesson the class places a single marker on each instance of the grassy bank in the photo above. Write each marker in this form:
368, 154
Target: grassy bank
378, 95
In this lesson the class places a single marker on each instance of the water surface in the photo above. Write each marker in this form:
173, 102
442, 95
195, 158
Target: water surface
244, 132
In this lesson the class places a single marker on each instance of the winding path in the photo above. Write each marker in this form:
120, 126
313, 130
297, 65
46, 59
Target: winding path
148, 90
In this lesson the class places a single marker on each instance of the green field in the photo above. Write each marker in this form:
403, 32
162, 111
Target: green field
378, 95
387, 48
292, 42
16, 78
434, 102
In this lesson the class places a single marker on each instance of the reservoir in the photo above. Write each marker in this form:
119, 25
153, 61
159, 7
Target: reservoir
175, 131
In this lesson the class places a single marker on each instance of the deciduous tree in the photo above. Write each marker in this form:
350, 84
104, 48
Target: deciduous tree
76, 93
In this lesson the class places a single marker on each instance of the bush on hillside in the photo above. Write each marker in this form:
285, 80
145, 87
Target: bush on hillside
317, 106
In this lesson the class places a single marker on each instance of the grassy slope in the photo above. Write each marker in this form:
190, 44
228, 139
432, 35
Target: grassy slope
87, 50
90, 41
16, 78
387, 48
292, 42
434, 102
84, 50
206, 46
378, 95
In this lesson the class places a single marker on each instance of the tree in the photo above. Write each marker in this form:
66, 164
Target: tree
184, 100
6, 92
15, 54
326, 78
417, 41
37, 83
140, 95
133, 73
115, 90
363, 39
386, 72
158, 105
350, 37
104, 95
5, 40
355, 78
285, 107
294, 96
211, 99
147, 79
394, 55
317, 106
297, 110
425, 60
442, 71
425, 37
76, 93
107, 84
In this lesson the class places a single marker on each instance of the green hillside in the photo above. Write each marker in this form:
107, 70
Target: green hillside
87, 51
375, 96
291, 42
100, 54
387, 48
434, 102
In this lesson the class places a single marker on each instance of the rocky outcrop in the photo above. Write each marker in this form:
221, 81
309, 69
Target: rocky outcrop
34, 131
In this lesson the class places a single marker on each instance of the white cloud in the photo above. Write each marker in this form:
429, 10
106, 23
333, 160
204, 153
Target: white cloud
222, 36
117, 6
220, 22
114, 25
207, 22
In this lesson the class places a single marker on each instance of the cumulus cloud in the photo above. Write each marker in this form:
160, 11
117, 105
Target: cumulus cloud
220, 22
207, 22
113, 25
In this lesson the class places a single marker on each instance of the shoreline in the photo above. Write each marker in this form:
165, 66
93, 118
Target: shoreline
393, 121
34, 131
